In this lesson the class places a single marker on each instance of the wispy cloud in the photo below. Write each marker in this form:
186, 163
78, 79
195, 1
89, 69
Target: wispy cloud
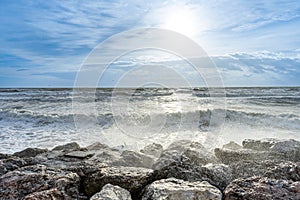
50, 39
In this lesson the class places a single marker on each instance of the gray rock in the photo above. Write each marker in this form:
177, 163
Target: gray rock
153, 150
218, 175
260, 145
73, 146
289, 148
112, 192
185, 151
30, 152
262, 188
134, 159
167, 157
181, 190
132, 179
37, 178
227, 156
268, 168
10, 164
106, 156
97, 146
232, 146
79, 154
4, 156
46, 194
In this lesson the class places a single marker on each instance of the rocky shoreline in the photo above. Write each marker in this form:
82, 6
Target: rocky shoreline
258, 169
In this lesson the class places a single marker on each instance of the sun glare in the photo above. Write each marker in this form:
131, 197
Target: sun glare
182, 21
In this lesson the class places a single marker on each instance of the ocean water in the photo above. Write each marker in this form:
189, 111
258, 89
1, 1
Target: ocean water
128, 118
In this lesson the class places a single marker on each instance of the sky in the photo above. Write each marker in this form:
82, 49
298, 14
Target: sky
252, 43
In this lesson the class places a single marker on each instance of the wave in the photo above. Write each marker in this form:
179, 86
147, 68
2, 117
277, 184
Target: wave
202, 119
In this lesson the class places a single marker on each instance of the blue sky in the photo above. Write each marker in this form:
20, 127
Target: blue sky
253, 43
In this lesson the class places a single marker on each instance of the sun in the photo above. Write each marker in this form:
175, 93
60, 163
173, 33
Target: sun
182, 21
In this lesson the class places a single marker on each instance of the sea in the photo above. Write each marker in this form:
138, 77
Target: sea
130, 118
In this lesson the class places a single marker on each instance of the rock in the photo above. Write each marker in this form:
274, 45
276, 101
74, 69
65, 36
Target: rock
284, 170
218, 175
227, 156
37, 178
134, 159
181, 190
4, 156
73, 146
267, 168
79, 154
30, 152
232, 146
289, 148
97, 146
185, 151
112, 192
11, 164
132, 179
153, 150
262, 188
167, 157
260, 145
107, 156
45, 195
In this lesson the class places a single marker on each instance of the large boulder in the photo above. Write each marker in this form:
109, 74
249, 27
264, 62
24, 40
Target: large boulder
228, 156
262, 188
181, 190
256, 150
131, 178
72, 146
153, 150
269, 168
30, 152
185, 151
218, 175
10, 164
260, 145
112, 192
38, 178
289, 148
134, 159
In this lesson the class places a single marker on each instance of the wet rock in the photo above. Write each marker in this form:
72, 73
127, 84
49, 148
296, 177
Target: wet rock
181, 190
30, 152
4, 156
107, 156
134, 159
79, 154
37, 178
167, 157
112, 192
97, 146
228, 156
73, 146
262, 188
289, 148
153, 150
260, 145
232, 146
132, 179
11, 164
185, 151
218, 175
267, 168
